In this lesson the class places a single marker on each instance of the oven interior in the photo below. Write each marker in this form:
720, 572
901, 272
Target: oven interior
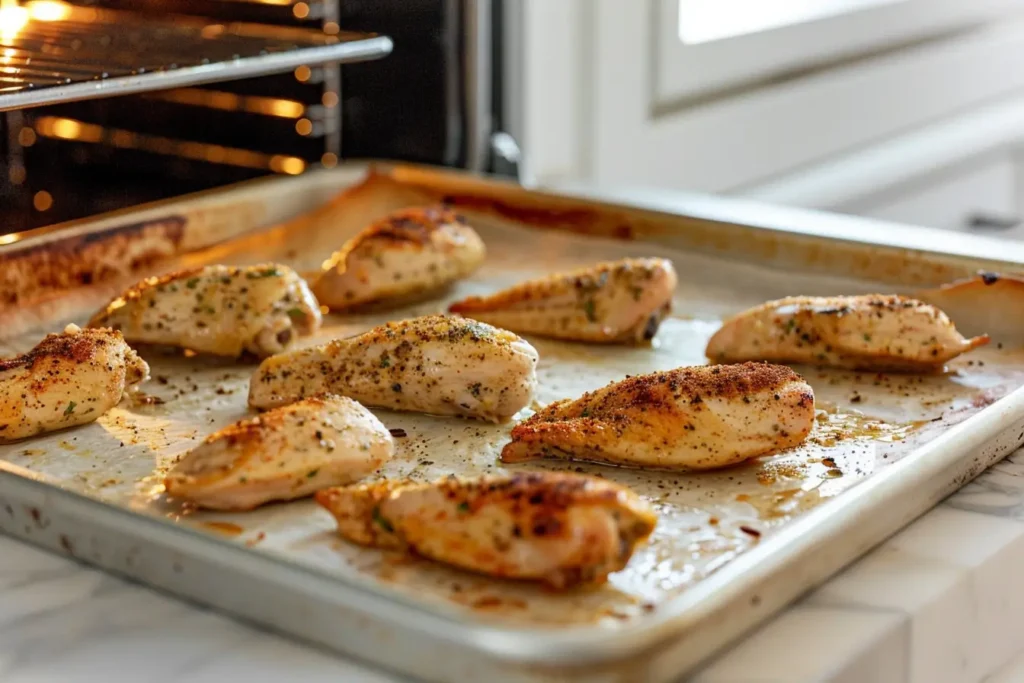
431, 101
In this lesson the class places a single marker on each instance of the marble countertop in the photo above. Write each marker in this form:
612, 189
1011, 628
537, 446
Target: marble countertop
937, 603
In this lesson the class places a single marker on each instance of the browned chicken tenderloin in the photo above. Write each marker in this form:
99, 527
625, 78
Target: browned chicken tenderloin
409, 253
562, 530
435, 364
989, 304
869, 332
68, 379
691, 419
612, 302
284, 454
221, 310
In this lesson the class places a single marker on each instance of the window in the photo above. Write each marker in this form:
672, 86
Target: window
614, 94
702, 21
711, 46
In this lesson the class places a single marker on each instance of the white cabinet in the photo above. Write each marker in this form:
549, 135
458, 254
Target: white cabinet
981, 197
965, 173
610, 94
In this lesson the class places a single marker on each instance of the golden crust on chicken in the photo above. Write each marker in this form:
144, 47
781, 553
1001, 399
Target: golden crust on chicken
68, 379
560, 529
611, 302
283, 454
870, 332
689, 418
220, 310
443, 365
407, 254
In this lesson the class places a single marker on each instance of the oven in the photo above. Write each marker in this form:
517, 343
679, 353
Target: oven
435, 99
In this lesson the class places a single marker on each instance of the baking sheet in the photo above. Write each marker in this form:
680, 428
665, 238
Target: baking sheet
866, 423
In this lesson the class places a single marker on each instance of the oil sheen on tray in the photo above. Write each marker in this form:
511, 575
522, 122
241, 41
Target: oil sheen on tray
865, 422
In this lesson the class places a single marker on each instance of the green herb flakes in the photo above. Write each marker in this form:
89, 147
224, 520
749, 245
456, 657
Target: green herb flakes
380, 521
260, 274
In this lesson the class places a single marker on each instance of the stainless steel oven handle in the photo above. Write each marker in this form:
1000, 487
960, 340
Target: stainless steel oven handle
477, 83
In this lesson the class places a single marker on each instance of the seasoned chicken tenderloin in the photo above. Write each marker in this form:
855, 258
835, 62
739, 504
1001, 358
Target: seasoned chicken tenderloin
695, 418
68, 379
872, 332
617, 302
563, 530
220, 310
442, 365
407, 254
283, 454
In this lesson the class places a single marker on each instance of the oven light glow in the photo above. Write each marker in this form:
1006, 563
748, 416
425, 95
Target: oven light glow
12, 19
70, 129
288, 165
42, 201
226, 101
288, 109
67, 129
213, 31
48, 10
26, 137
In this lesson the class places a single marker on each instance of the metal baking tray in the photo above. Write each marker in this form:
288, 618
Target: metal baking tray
53, 52
886, 449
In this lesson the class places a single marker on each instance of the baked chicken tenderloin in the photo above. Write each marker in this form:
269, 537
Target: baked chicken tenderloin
67, 379
283, 454
695, 418
872, 332
559, 529
616, 302
219, 310
441, 365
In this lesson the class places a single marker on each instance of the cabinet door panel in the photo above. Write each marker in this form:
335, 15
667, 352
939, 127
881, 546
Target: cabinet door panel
723, 144
795, 34
980, 198
594, 92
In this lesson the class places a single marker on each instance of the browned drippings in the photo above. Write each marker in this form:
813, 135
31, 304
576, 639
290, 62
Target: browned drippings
773, 471
141, 399
833, 427
773, 505
225, 528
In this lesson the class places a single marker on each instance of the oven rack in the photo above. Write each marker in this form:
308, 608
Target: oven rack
53, 52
